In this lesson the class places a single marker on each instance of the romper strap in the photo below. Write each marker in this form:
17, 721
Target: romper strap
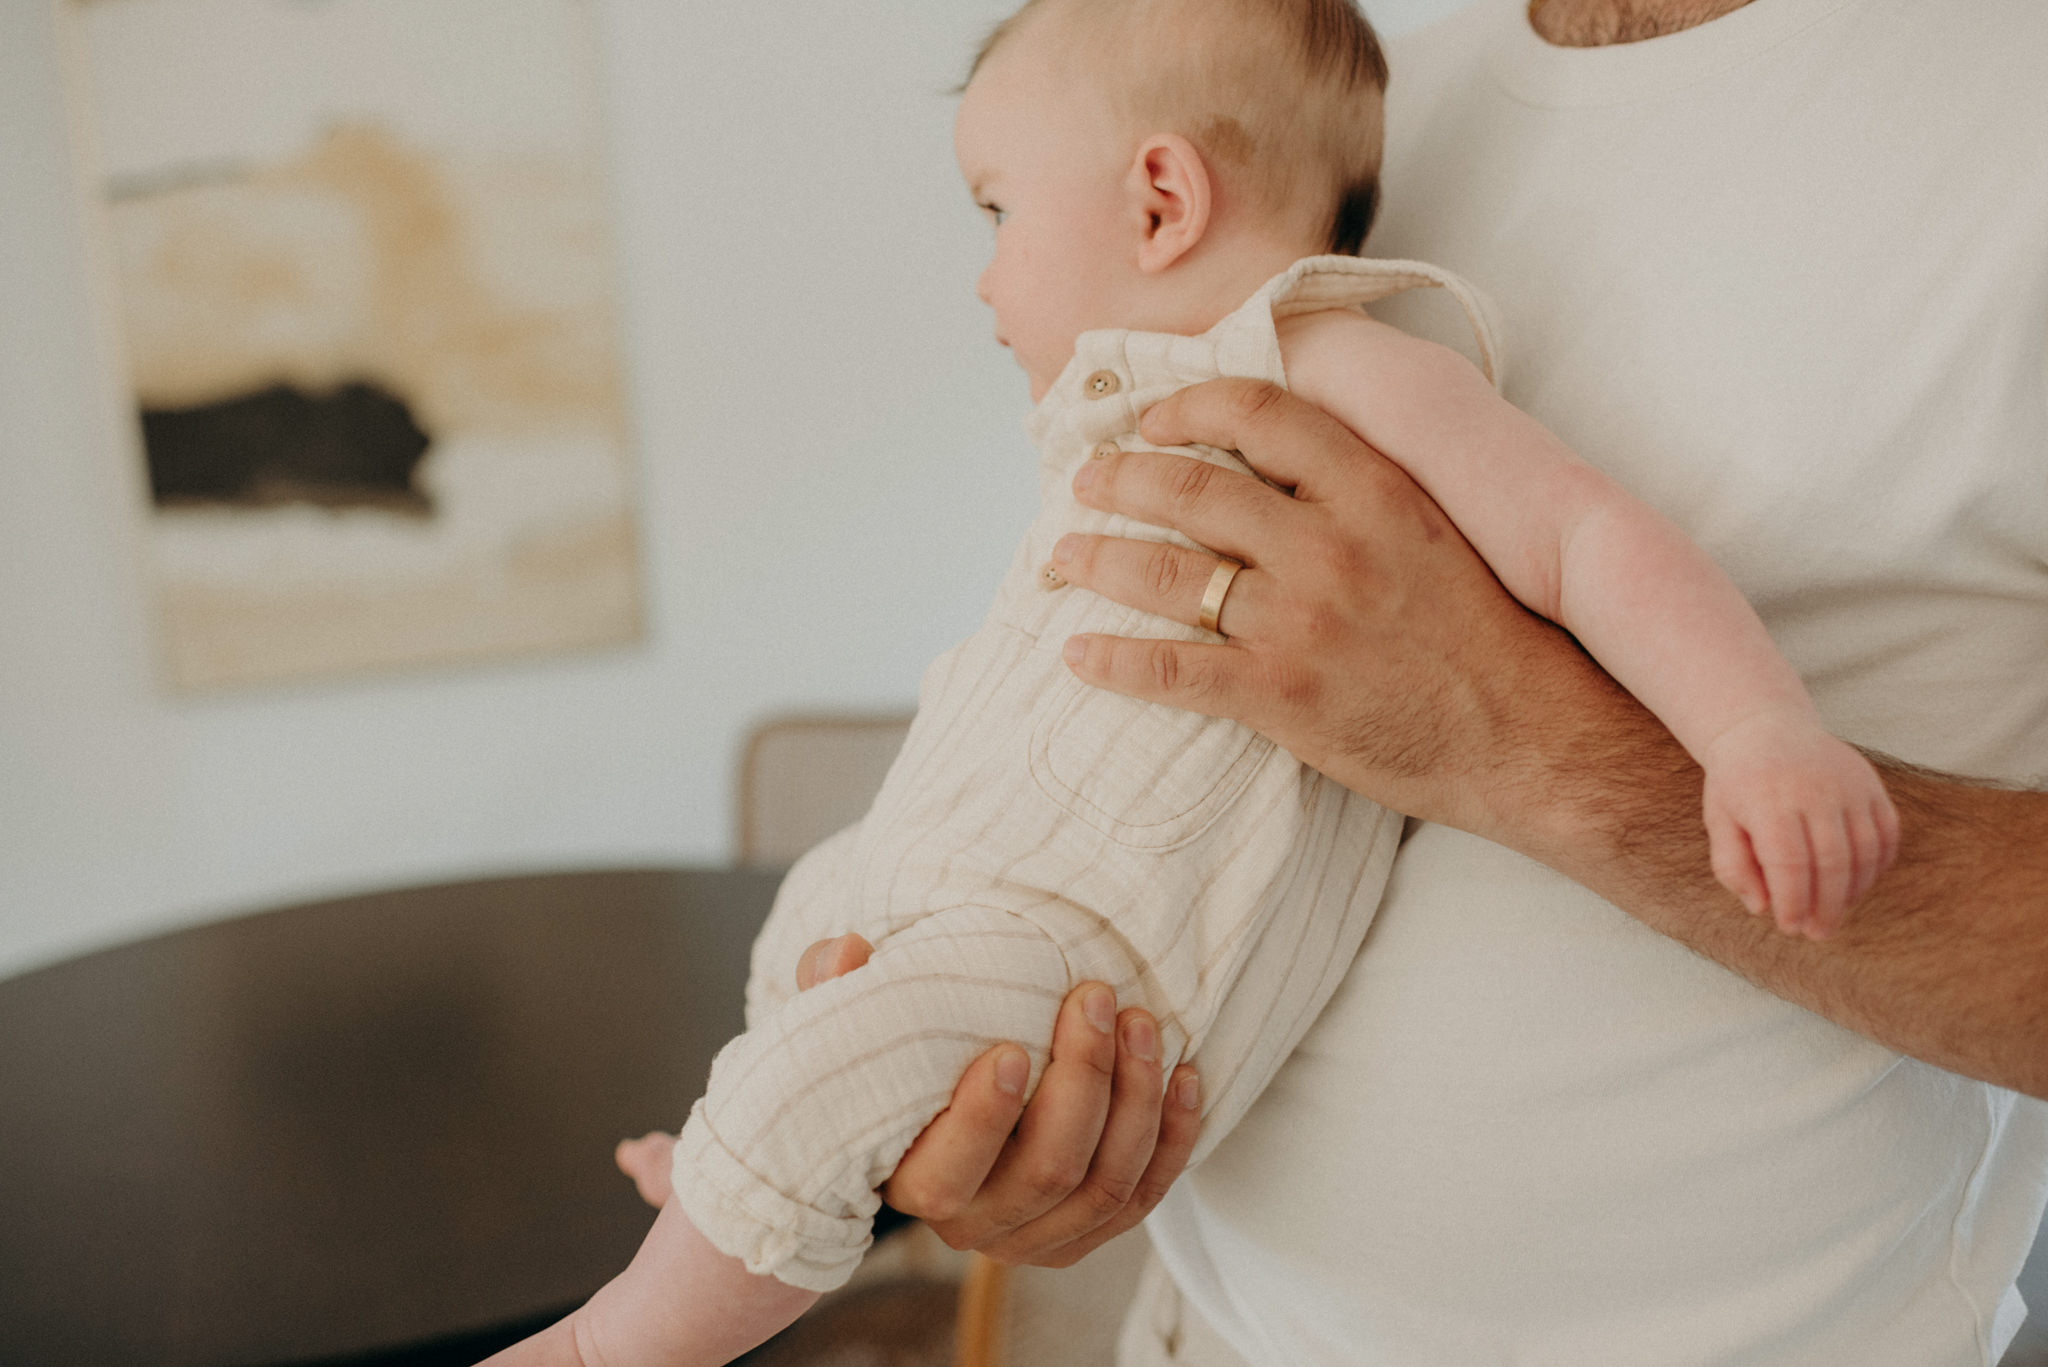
1323, 282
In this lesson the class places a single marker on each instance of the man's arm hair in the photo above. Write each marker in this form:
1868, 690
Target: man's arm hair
1946, 959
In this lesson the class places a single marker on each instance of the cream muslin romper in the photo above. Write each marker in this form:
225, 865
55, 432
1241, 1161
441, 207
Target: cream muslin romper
1036, 833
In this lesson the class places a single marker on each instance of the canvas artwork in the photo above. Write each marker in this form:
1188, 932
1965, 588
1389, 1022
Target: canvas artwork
362, 274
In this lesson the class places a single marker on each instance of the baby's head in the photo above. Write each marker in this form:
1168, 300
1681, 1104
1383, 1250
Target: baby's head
1150, 163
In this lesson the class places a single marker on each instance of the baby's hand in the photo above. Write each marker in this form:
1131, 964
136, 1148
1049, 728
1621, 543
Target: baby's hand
647, 1160
1800, 823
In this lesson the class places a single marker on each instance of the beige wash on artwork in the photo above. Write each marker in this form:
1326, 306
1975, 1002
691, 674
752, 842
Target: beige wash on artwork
363, 281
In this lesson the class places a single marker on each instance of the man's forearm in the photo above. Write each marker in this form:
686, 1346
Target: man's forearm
1946, 959
1371, 641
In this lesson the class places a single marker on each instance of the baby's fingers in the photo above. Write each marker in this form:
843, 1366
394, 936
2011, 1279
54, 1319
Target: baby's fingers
1787, 860
1735, 863
1835, 873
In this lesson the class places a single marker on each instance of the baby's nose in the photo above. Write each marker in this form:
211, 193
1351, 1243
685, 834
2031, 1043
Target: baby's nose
981, 286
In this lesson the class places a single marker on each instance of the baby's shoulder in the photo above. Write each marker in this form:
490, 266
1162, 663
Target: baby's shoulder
1345, 347
1347, 324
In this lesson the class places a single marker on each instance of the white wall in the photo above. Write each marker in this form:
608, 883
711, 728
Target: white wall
831, 475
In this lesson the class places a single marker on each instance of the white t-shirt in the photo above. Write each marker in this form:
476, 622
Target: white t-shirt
1785, 276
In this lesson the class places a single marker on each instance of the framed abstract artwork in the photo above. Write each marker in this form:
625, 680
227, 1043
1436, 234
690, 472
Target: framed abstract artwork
361, 268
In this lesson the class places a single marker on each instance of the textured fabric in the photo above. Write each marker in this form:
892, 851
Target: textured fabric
1785, 277
1034, 834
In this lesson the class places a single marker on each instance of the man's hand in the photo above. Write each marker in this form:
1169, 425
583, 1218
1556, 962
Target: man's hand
1367, 637
1047, 1183
1050, 1182
1364, 634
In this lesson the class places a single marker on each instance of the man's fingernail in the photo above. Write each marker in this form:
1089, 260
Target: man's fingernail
1100, 1008
1085, 476
1012, 1068
1188, 1092
1141, 1038
1063, 550
1073, 650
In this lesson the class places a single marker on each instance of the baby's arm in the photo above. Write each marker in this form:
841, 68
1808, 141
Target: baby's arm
1799, 822
680, 1303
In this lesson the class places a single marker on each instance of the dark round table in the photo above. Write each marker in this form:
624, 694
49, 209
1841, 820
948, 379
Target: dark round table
337, 1130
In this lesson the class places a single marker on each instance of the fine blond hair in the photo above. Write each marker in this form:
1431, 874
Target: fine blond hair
1281, 97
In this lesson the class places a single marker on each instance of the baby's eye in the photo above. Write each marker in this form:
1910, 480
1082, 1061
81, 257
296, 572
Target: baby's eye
995, 214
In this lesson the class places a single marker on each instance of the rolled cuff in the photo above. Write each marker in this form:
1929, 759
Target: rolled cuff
746, 1218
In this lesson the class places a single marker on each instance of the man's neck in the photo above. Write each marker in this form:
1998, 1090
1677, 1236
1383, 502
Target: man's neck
1598, 23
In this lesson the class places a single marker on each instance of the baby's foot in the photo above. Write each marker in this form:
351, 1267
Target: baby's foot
1800, 823
647, 1160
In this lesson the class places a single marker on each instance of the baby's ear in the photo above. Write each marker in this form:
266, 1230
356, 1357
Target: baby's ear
1171, 190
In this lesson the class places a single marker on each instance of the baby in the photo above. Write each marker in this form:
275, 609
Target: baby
1176, 186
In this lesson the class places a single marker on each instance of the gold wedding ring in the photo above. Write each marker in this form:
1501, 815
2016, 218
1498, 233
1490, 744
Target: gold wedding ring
1218, 590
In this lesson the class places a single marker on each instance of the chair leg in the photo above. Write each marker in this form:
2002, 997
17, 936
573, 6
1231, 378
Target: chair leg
979, 1327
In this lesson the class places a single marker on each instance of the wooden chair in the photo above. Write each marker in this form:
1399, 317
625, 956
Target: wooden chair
1045, 1317
806, 775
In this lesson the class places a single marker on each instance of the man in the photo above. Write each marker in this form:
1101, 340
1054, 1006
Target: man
1777, 267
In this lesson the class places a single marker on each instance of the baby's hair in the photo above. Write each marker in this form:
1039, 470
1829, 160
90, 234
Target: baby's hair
1283, 97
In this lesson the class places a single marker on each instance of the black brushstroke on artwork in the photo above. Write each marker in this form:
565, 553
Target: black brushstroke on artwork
357, 446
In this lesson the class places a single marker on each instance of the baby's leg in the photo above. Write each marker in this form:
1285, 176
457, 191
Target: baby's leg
680, 1303
811, 905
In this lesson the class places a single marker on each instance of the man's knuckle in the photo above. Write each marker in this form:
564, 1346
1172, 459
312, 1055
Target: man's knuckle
1109, 1194
944, 1207
1054, 1179
1253, 400
1350, 561
1332, 560
1151, 1190
956, 1237
914, 1197
907, 1194
1162, 571
1200, 682
1296, 691
1165, 669
1191, 483
1321, 626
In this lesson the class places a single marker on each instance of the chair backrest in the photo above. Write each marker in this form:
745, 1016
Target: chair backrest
802, 777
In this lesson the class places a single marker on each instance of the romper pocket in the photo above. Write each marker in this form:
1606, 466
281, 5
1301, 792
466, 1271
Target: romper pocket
1149, 777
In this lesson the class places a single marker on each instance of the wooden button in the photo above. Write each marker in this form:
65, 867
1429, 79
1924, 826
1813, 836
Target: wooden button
1049, 578
1102, 384
1105, 448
